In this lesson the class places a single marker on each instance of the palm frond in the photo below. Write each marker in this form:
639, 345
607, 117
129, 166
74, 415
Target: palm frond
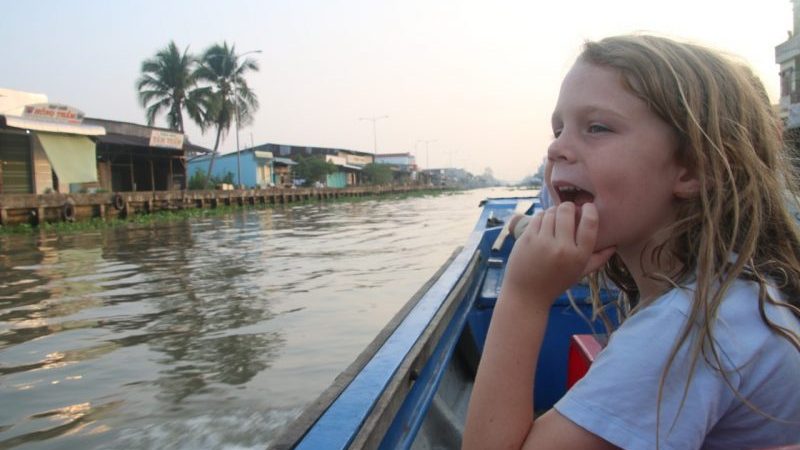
165, 85
224, 72
154, 109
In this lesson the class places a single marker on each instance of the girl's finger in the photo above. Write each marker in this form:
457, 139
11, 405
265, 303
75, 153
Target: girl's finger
565, 222
598, 259
549, 222
586, 236
535, 224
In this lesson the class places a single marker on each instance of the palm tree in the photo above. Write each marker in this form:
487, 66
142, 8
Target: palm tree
168, 83
231, 97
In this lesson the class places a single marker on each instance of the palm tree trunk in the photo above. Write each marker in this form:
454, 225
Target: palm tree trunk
213, 156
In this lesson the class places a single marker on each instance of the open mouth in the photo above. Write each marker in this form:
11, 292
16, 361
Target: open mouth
574, 194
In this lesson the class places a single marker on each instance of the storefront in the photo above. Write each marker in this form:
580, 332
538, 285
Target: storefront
133, 157
44, 147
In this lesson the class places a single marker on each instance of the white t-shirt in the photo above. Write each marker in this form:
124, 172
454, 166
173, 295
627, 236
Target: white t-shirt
618, 398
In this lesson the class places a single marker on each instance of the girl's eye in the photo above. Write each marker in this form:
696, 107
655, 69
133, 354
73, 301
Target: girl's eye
596, 128
556, 133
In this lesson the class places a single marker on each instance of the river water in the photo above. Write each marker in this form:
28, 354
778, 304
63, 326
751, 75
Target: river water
207, 332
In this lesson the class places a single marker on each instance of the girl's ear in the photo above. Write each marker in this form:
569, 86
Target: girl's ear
687, 185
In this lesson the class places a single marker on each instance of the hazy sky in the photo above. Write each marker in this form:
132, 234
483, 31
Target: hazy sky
478, 77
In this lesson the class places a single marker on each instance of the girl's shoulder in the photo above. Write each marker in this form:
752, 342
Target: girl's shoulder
739, 305
737, 327
701, 405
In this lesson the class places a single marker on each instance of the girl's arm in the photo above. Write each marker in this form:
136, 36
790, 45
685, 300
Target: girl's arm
549, 257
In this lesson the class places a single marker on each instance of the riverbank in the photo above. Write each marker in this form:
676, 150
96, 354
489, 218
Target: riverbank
139, 212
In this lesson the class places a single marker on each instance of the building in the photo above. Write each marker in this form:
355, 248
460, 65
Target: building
271, 164
257, 168
47, 147
133, 157
349, 162
787, 55
404, 166
450, 177
44, 147
346, 174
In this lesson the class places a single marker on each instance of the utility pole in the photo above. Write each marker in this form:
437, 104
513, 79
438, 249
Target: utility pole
374, 131
238, 119
427, 142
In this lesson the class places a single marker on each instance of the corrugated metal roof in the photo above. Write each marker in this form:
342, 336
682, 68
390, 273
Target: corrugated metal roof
136, 141
53, 127
286, 161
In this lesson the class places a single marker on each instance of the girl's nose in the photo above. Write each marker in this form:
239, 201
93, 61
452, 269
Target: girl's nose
560, 149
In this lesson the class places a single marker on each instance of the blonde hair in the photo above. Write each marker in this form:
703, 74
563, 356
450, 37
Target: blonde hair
738, 226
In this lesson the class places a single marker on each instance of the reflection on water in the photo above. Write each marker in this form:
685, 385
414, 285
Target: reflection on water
209, 333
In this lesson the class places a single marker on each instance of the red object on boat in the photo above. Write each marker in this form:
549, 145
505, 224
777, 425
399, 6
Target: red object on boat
583, 348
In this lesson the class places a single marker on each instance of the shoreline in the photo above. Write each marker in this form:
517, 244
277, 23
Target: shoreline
137, 215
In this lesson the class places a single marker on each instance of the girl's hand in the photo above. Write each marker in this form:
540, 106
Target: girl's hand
554, 252
517, 224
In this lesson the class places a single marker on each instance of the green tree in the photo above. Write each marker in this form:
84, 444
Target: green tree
168, 84
230, 98
313, 169
377, 173
198, 180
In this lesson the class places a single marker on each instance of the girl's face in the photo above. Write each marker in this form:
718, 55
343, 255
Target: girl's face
611, 149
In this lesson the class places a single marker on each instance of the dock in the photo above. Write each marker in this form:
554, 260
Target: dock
35, 209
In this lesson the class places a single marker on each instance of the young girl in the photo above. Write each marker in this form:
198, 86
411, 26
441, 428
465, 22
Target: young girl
669, 177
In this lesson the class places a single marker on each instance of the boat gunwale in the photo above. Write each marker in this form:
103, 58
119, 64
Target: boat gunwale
404, 380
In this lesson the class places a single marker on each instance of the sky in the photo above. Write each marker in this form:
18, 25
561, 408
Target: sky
468, 84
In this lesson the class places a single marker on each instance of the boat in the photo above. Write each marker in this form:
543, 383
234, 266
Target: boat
410, 387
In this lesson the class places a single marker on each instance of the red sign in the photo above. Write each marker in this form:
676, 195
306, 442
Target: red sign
53, 112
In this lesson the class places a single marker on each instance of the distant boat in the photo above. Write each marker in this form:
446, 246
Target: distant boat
410, 387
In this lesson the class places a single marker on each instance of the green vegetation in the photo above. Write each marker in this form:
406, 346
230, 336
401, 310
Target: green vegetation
313, 169
143, 219
97, 223
199, 180
377, 173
